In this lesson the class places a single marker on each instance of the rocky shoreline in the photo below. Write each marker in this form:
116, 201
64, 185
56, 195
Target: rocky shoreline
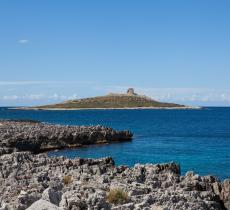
36, 182
37, 137
124, 108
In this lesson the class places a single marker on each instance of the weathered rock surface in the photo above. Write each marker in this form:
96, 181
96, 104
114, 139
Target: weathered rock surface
39, 182
38, 137
43, 205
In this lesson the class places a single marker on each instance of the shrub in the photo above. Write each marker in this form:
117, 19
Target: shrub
67, 179
117, 196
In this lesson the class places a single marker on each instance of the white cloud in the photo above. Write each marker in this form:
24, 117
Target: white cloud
23, 41
8, 83
180, 95
37, 97
9, 98
21, 97
44, 92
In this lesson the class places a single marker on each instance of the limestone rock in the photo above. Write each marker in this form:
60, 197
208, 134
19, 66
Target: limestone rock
37, 137
43, 205
52, 196
40, 182
225, 193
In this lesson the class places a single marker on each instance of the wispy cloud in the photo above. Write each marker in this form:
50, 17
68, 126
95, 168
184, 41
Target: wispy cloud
181, 95
15, 83
37, 97
43, 92
7, 83
23, 41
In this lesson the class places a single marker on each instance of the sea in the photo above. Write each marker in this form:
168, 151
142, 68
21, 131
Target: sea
197, 139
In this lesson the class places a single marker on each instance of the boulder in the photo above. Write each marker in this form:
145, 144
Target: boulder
52, 196
43, 205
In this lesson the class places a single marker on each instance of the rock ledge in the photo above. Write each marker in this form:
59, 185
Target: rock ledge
21, 135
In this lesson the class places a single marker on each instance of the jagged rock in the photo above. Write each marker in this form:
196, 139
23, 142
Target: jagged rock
39, 182
52, 196
159, 208
225, 193
38, 137
127, 206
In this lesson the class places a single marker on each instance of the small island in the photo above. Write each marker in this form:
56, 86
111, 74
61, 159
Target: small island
128, 100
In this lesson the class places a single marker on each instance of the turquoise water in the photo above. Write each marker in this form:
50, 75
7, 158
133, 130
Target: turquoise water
197, 139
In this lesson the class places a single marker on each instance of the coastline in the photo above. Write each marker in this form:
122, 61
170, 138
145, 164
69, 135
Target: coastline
123, 108
40, 137
59, 183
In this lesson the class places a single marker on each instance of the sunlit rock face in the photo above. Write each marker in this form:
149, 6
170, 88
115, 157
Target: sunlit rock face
35, 181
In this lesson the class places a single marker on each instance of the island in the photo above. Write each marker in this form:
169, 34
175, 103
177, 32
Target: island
128, 100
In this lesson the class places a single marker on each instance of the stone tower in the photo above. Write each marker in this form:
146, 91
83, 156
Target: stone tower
130, 91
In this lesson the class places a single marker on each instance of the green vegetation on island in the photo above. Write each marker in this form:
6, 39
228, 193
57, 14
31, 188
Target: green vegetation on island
112, 101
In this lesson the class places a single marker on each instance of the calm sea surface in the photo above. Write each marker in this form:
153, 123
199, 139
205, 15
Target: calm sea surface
197, 139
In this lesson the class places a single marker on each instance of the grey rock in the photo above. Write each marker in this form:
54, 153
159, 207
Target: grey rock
52, 196
43, 205
21, 135
225, 193
34, 181
127, 206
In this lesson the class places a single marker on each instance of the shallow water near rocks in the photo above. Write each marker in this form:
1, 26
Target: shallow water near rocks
198, 140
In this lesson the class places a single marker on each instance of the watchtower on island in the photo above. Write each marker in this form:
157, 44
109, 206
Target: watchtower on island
131, 92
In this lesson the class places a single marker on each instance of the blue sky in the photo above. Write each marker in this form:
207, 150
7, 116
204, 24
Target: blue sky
53, 50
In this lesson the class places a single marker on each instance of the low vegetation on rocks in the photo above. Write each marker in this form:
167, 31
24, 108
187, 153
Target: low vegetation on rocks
117, 196
67, 179
111, 101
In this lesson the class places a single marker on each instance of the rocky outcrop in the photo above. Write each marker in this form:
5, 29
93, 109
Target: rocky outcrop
38, 137
35, 181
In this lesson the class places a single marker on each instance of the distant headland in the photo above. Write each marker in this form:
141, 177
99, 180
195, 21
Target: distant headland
128, 100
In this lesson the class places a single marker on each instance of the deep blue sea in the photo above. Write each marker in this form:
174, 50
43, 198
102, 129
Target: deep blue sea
198, 140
